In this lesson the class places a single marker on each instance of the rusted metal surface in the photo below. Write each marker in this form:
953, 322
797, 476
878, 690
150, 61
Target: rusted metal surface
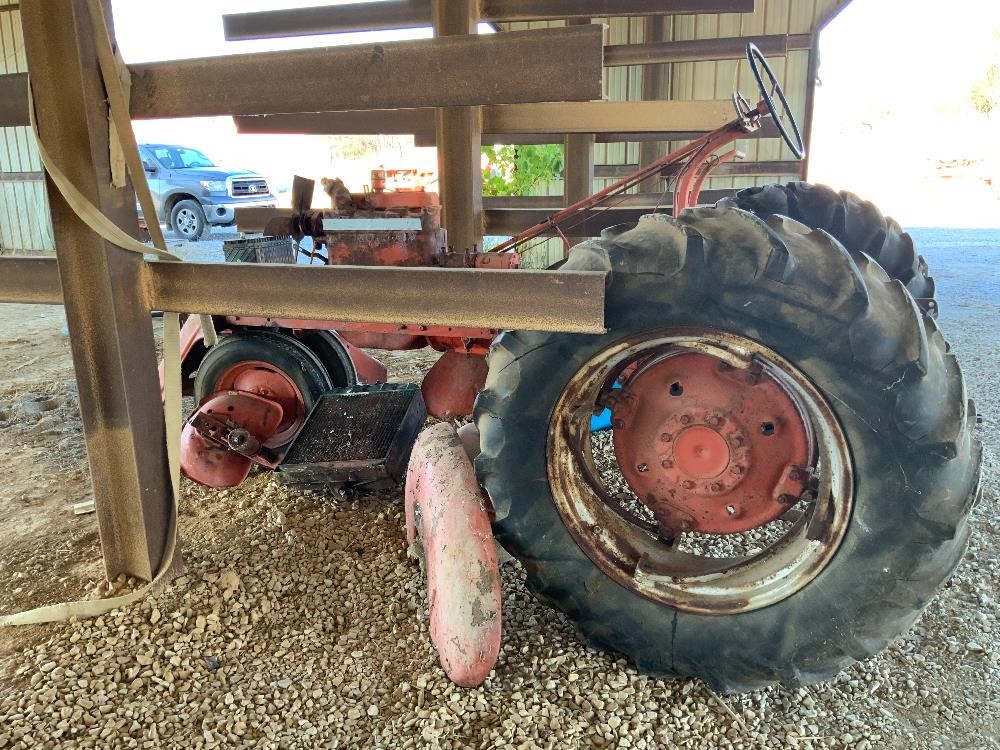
359, 435
328, 19
669, 120
458, 133
654, 52
449, 71
538, 10
409, 14
448, 526
476, 298
111, 334
708, 447
227, 434
649, 560
266, 381
450, 387
30, 280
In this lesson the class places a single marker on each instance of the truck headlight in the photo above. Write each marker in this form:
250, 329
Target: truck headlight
213, 186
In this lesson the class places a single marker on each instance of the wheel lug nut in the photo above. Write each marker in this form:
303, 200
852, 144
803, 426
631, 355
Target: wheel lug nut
737, 470
716, 487
642, 467
687, 484
685, 419
666, 463
666, 437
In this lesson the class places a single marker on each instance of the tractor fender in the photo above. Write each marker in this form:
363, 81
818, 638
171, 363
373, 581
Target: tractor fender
448, 527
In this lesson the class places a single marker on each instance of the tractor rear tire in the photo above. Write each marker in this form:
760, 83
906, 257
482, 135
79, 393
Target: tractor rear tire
886, 375
857, 224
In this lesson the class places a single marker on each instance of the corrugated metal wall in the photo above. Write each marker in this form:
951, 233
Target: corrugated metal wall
25, 225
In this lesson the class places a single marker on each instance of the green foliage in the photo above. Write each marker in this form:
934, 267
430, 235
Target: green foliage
515, 170
985, 94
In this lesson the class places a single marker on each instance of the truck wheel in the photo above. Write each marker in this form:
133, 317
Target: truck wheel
187, 219
792, 463
857, 224
273, 365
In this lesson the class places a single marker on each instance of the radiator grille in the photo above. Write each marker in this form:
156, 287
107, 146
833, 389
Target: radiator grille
259, 250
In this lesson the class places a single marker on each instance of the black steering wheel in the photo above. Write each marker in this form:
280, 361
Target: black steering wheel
784, 120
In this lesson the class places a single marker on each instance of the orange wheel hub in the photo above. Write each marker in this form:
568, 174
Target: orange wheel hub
710, 447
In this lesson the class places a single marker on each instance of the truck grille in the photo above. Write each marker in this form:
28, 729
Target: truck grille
253, 186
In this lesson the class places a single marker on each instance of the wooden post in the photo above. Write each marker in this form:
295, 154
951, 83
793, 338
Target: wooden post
459, 139
654, 79
111, 335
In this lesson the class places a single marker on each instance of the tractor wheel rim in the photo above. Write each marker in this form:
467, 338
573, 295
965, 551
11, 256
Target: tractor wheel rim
267, 381
654, 543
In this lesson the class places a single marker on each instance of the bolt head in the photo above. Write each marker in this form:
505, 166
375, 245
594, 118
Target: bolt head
687, 484
737, 470
716, 487
788, 499
667, 463
685, 419
666, 437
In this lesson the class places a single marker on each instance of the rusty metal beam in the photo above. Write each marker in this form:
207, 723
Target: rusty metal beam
14, 100
551, 203
449, 71
507, 222
502, 11
409, 14
674, 117
30, 279
695, 50
534, 300
111, 335
741, 168
458, 132
654, 88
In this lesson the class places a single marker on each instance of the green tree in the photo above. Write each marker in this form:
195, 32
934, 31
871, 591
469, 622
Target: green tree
986, 91
515, 170
985, 94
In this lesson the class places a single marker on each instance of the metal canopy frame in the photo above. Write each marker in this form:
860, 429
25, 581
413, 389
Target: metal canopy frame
108, 292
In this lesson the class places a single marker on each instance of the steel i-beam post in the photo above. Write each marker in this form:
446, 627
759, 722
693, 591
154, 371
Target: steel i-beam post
654, 79
578, 159
459, 138
111, 335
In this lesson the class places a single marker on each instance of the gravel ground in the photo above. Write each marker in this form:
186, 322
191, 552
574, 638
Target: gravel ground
300, 622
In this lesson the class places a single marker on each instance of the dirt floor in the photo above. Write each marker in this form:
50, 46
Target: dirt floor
300, 622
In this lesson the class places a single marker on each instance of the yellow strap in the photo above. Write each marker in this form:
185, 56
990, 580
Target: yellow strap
108, 230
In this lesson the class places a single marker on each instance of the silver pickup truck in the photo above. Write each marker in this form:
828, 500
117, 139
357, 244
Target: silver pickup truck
190, 191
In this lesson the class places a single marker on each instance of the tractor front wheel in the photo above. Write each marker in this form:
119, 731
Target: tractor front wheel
791, 464
272, 365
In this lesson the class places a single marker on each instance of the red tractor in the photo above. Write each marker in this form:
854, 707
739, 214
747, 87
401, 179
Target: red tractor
790, 461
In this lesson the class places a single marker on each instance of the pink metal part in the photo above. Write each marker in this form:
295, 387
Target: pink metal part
204, 457
447, 522
450, 387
